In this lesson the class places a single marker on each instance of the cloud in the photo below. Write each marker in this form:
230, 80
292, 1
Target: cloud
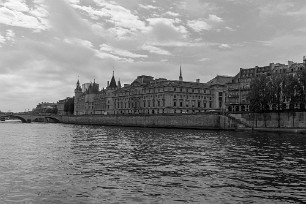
230, 28
215, 18
224, 46
18, 13
170, 13
165, 30
204, 59
120, 17
273, 8
2, 40
120, 52
79, 42
171, 23
155, 50
199, 25
19, 19
20, 5
148, 7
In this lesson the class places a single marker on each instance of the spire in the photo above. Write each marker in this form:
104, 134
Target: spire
119, 84
181, 77
78, 87
113, 82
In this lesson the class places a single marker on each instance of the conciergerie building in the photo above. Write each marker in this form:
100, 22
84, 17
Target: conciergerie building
146, 95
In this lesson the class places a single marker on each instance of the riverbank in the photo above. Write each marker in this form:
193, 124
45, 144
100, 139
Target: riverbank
186, 121
275, 130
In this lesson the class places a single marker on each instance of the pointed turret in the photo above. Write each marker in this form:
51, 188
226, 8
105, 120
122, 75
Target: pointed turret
119, 84
113, 84
181, 77
78, 87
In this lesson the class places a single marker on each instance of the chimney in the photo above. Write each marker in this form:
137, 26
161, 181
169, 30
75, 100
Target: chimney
198, 80
107, 83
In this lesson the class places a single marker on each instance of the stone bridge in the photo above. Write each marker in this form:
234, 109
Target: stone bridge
28, 118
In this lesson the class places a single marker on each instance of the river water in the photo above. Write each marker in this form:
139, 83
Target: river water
57, 163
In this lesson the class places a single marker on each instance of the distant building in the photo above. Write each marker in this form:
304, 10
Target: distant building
146, 95
45, 107
239, 88
61, 106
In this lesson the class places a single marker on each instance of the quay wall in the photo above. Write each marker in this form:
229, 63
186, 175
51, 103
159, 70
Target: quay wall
271, 120
203, 121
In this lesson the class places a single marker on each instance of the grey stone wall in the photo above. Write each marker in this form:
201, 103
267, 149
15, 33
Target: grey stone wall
287, 119
201, 121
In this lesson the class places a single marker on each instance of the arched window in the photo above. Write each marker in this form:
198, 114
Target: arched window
242, 108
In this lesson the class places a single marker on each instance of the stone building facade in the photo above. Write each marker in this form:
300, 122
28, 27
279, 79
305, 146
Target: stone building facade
146, 95
238, 89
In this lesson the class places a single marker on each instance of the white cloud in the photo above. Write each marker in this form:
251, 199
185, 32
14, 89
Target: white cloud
20, 5
169, 22
148, 7
104, 55
79, 42
120, 52
10, 34
120, 17
2, 40
215, 18
155, 50
170, 13
230, 28
16, 14
199, 25
224, 46
204, 59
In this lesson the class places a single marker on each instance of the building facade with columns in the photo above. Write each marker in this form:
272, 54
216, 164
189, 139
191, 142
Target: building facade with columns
146, 95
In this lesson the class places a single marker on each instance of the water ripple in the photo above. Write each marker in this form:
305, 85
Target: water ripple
55, 163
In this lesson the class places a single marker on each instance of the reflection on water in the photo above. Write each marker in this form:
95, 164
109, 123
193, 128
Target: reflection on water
56, 163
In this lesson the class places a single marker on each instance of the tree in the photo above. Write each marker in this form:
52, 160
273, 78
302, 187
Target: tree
259, 95
275, 89
292, 92
302, 91
69, 106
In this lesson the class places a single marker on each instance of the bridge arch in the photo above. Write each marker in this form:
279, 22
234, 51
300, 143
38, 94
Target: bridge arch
23, 120
53, 118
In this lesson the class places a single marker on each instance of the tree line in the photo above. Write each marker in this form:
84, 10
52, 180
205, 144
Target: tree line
277, 90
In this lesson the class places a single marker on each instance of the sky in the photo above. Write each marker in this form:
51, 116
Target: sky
47, 45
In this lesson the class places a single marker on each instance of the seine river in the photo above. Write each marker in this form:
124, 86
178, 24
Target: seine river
57, 163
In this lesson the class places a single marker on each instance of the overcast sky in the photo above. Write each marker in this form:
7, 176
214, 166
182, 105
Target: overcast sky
46, 44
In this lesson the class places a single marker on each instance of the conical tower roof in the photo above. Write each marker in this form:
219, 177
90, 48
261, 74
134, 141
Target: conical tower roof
113, 82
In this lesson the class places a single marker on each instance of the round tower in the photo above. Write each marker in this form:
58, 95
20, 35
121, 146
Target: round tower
77, 93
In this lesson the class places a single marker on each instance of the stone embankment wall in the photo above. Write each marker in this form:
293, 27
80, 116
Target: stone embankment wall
203, 121
270, 120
